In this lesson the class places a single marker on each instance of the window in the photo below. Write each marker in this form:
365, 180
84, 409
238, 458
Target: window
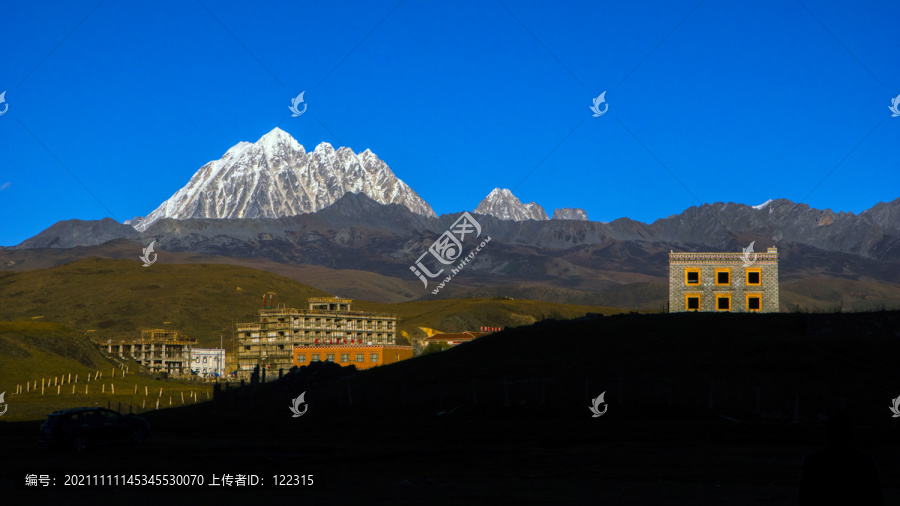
373, 357
359, 357
723, 276
754, 302
246, 348
345, 357
692, 276
314, 358
692, 302
329, 357
204, 360
723, 302
301, 358
754, 277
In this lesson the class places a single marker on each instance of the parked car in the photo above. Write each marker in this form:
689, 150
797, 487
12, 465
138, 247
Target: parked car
78, 428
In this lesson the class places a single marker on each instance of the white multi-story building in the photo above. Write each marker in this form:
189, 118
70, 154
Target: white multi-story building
208, 362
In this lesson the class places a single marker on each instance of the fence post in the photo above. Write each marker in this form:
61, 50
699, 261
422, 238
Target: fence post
758, 400
712, 387
505, 392
671, 394
796, 409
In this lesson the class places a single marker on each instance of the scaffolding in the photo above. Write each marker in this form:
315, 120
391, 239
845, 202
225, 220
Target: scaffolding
270, 342
158, 350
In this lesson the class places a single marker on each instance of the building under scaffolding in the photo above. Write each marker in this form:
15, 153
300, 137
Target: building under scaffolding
158, 350
270, 342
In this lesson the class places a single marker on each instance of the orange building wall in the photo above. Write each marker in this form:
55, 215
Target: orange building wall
387, 354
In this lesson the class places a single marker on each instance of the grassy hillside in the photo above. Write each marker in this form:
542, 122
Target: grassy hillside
455, 315
32, 352
112, 299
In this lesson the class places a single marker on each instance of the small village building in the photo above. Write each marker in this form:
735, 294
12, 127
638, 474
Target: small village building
363, 356
724, 282
454, 338
208, 362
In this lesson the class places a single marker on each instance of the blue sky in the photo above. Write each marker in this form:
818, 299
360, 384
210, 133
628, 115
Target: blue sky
114, 105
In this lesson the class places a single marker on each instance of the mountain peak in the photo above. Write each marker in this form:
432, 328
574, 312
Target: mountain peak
568, 213
502, 204
275, 177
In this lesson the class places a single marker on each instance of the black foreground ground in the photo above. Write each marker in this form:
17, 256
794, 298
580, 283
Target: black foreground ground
702, 409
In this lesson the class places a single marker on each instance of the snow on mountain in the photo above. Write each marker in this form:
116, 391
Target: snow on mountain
504, 205
567, 213
275, 177
764, 204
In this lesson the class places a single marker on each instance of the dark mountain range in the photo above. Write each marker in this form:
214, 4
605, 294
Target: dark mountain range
564, 260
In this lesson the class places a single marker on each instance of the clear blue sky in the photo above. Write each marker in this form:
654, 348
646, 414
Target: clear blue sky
740, 101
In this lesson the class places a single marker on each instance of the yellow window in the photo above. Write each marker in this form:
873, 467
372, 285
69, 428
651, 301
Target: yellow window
692, 302
754, 302
754, 276
723, 302
723, 277
691, 276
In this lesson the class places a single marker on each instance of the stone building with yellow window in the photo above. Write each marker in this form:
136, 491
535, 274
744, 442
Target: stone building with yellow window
723, 282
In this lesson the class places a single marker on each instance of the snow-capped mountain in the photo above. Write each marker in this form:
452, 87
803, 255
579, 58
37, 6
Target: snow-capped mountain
569, 213
276, 177
504, 205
